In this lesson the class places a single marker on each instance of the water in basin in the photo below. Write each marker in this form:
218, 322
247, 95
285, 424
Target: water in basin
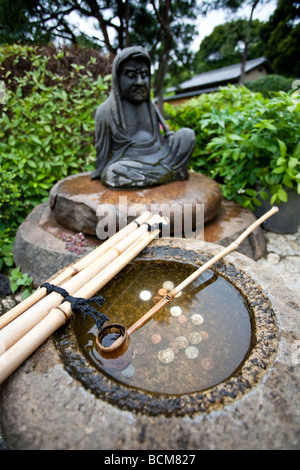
195, 342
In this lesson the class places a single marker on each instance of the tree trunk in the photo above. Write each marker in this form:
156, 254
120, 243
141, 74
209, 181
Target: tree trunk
248, 35
96, 13
164, 56
159, 79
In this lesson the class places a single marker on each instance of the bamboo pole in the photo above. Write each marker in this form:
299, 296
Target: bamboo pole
25, 322
74, 269
169, 297
22, 349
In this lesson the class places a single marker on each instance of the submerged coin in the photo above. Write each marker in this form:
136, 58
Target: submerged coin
182, 342
162, 292
145, 295
182, 319
197, 319
179, 294
156, 299
191, 352
166, 356
175, 311
169, 285
129, 371
156, 338
195, 337
139, 348
175, 347
207, 363
204, 335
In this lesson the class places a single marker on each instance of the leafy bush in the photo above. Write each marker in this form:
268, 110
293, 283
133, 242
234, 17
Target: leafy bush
21, 281
270, 83
243, 139
46, 127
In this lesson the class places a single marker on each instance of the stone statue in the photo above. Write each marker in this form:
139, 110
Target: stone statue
134, 147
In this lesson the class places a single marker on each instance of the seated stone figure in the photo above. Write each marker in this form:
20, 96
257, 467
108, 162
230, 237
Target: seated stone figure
134, 147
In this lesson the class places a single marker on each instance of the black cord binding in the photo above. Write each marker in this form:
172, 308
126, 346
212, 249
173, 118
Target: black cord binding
80, 305
153, 227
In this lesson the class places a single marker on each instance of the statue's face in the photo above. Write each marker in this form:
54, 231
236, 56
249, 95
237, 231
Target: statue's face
134, 81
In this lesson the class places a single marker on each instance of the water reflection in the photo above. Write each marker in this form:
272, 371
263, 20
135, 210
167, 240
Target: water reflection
193, 343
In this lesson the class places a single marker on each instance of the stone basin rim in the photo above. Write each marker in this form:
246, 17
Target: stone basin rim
260, 356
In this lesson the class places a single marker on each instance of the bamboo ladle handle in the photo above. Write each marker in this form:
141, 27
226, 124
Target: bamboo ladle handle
169, 297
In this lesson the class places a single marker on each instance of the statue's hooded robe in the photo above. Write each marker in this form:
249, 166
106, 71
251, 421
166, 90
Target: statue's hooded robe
122, 162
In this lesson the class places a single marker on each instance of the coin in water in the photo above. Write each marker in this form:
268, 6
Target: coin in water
204, 335
145, 295
156, 299
168, 285
197, 319
191, 352
166, 356
175, 347
182, 342
195, 337
207, 363
139, 348
129, 371
175, 311
156, 338
182, 319
162, 292
179, 294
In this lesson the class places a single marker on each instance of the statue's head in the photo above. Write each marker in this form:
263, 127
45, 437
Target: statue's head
134, 80
132, 74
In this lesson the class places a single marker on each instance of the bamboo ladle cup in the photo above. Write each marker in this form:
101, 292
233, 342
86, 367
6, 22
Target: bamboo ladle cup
118, 348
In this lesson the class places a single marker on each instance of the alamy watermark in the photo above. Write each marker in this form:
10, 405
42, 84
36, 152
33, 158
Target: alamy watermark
2, 92
186, 220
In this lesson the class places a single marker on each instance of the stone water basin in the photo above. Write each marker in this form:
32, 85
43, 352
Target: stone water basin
60, 399
211, 343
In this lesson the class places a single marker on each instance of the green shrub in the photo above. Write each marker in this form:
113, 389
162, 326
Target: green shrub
20, 281
270, 83
46, 128
243, 139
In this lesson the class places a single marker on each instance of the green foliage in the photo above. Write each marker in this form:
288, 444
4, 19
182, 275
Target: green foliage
243, 139
281, 36
22, 282
225, 45
6, 249
266, 85
46, 131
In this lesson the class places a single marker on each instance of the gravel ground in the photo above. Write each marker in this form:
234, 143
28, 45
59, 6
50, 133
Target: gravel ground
282, 257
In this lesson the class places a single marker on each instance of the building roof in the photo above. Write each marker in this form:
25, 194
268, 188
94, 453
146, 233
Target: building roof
224, 74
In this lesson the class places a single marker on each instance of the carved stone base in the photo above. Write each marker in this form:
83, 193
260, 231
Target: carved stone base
78, 203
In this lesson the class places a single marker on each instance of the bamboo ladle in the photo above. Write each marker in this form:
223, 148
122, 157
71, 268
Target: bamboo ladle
113, 340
